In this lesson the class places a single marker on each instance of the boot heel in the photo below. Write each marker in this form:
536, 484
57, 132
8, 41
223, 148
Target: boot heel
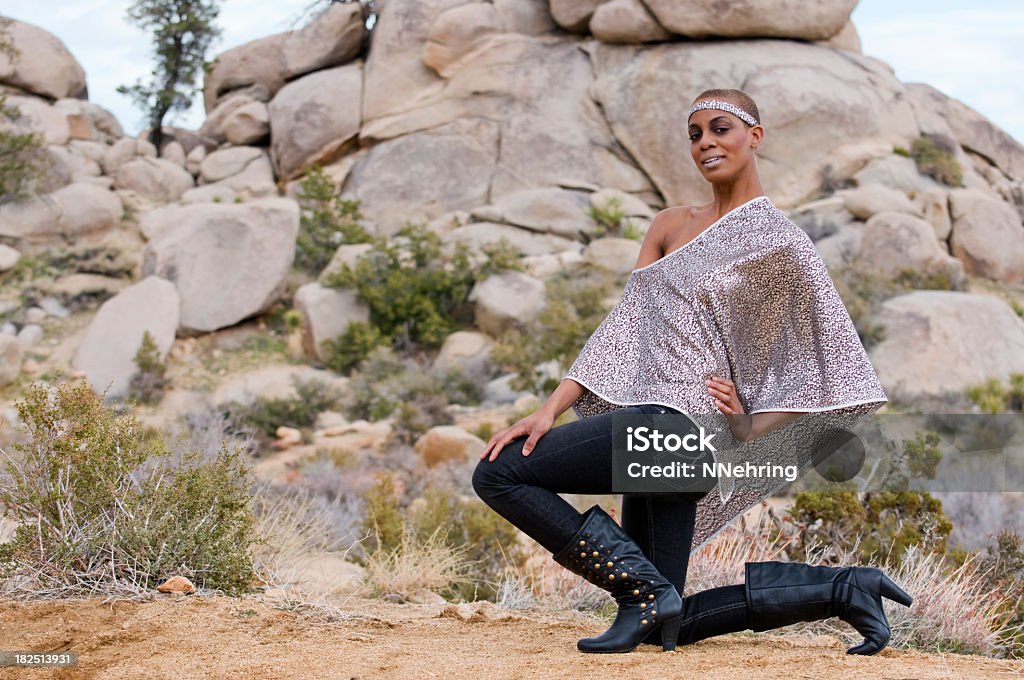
670, 633
894, 592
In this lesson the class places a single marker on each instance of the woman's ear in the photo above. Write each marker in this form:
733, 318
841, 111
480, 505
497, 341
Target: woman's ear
757, 132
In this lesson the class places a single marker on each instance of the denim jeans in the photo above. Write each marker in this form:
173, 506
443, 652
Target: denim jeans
577, 458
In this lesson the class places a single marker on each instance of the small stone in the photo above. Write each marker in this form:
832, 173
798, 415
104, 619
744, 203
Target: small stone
53, 307
287, 437
9, 328
8, 257
31, 366
176, 584
35, 314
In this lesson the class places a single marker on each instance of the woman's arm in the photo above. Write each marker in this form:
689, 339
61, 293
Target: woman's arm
564, 396
745, 427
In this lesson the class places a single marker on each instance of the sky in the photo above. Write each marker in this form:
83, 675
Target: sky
973, 51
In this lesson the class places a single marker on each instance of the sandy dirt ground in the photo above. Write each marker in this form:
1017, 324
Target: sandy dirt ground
221, 637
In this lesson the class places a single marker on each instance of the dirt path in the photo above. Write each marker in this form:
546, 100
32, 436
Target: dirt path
220, 637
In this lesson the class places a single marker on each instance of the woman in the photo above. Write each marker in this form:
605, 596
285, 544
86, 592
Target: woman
731, 312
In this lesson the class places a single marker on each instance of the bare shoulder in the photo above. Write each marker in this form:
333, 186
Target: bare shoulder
667, 222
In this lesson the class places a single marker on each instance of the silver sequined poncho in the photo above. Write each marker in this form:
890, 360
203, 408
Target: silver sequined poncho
748, 299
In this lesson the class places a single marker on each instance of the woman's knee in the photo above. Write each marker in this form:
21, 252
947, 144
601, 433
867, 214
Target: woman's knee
488, 478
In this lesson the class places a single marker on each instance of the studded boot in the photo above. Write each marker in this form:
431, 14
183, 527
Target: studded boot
781, 593
602, 553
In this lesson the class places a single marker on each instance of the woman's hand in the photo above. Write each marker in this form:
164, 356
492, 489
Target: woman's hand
724, 392
534, 425
728, 402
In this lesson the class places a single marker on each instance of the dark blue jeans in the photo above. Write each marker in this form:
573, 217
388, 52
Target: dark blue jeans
577, 458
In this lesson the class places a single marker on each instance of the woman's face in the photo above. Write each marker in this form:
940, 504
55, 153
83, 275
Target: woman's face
720, 135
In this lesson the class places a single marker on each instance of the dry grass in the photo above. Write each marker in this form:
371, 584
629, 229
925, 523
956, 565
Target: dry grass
416, 565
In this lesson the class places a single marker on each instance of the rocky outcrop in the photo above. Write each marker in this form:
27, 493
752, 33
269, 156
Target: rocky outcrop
227, 262
41, 65
265, 65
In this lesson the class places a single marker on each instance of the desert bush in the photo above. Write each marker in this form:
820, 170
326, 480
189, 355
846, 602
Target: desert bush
993, 396
386, 384
327, 221
23, 157
575, 308
879, 523
608, 216
343, 353
415, 289
103, 508
148, 383
485, 543
266, 414
934, 157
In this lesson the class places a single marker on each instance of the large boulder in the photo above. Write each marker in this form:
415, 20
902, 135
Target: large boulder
555, 211
86, 208
792, 83
334, 37
458, 158
894, 242
40, 118
157, 179
753, 18
258, 62
106, 353
945, 341
574, 15
626, 21
455, 31
988, 236
228, 262
467, 351
73, 210
41, 64
326, 314
506, 300
315, 118
89, 122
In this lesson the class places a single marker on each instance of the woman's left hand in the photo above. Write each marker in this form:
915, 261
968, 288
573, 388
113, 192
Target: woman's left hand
724, 392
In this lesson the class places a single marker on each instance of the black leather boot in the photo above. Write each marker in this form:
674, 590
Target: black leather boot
781, 593
605, 555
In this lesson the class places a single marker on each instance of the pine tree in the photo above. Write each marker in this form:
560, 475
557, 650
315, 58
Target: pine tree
182, 32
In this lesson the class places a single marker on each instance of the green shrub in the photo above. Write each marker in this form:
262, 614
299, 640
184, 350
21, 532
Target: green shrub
934, 156
312, 397
573, 311
107, 507
23, 158
1002, 567
993, 396
608, 216
879, 523
148, 383
416, 291
346, 351
385, 383
327, 221
901, 151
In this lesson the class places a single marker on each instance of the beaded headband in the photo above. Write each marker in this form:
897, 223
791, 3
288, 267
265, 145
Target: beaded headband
719, 105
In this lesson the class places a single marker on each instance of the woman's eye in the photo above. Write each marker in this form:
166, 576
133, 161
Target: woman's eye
721, 129
694, 136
